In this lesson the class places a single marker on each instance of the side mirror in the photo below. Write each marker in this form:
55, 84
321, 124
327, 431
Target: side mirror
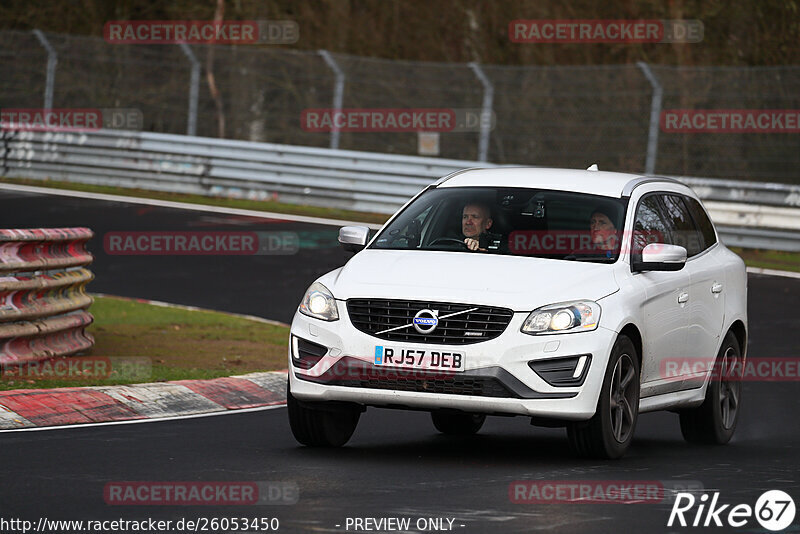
353, 238
659, 257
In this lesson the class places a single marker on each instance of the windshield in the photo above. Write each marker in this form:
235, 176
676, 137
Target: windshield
510, 221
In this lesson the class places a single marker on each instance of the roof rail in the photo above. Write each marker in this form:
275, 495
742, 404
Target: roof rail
636, 182
456, 173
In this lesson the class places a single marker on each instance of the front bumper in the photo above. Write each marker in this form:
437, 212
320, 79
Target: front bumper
496, 378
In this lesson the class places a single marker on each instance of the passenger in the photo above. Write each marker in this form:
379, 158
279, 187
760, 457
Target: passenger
603, 231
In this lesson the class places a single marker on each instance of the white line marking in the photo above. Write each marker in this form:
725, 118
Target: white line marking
184, 205
772, 272
154, 420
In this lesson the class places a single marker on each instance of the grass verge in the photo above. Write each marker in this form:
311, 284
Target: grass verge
148, 343
257, 205
769, 259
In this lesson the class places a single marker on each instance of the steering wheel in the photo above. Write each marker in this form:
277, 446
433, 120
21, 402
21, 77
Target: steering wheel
448, 240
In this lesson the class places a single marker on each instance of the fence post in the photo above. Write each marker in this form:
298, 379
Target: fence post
52, 61
338, 93
194, 90
486, 111
655, 114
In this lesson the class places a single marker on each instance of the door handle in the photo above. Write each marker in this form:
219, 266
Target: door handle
683, 297
716, 287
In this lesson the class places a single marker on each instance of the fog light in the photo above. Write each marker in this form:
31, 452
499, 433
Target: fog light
569, 371
306, 354
579, 368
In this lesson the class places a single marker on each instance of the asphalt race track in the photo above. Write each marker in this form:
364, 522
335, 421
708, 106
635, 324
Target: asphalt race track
268, 286
396, 465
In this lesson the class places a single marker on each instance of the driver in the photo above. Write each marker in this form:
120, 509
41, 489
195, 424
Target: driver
475, 221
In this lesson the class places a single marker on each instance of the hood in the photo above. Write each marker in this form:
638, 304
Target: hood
519, 283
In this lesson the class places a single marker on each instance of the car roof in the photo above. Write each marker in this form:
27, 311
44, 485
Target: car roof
610, 184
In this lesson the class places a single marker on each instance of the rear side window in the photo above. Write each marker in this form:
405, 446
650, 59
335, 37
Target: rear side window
649, 226
702, 221
684, 231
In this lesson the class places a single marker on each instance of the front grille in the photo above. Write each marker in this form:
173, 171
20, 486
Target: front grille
474, 386
351, 372
376, 315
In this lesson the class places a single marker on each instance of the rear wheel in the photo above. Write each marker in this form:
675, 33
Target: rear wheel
324, 425
609, 433
456, 423
714, 421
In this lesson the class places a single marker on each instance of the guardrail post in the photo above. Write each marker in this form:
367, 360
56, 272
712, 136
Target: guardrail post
52, 61
338, 93
655, 114
194, 90
486, 111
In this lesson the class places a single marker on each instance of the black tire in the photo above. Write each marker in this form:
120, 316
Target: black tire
609, 433
456, 423
714, 421
326, 426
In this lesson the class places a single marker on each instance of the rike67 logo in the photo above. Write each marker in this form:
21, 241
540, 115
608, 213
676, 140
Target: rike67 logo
774, 510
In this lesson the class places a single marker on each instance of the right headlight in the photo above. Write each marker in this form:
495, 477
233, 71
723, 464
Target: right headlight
318, 302
566, 317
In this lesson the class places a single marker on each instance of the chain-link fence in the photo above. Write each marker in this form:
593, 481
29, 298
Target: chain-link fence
545, 115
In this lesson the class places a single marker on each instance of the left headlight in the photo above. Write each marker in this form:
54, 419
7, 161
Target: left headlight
319, 302
578, 316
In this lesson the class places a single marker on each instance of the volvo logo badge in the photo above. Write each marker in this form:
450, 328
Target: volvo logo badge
425, 321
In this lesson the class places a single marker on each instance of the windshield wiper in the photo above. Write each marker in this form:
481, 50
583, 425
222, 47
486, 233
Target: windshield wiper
598, 258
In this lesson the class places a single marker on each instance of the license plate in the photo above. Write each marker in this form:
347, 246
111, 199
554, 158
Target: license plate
415, 358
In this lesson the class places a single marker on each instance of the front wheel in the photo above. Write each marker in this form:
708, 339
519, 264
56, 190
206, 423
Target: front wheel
714, 421
609, 433
325, 426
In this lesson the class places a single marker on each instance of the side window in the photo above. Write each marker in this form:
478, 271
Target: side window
648, 225
684, 232
702, 221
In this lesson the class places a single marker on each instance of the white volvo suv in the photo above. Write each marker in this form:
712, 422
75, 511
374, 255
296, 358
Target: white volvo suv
576, 298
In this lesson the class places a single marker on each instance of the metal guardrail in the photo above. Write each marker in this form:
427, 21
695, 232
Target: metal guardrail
361, 181
43, 303
767, 194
